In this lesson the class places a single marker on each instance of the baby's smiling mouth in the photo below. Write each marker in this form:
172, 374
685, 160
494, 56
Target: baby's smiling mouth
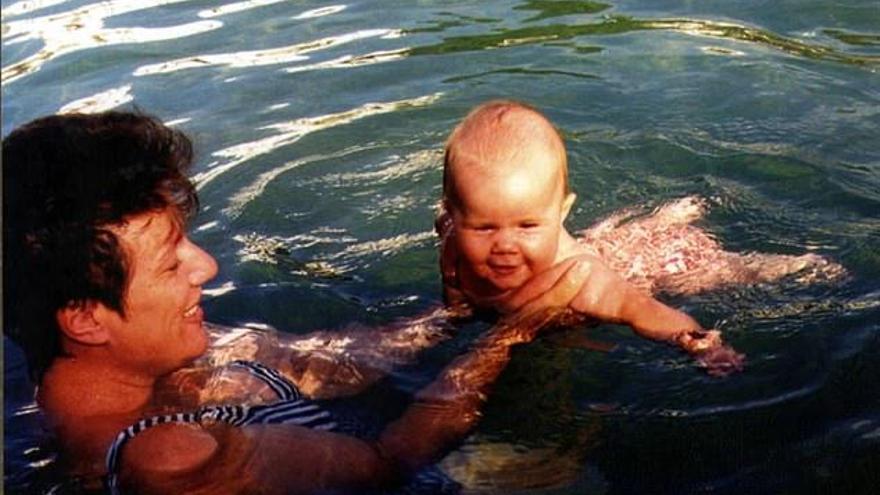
504, 269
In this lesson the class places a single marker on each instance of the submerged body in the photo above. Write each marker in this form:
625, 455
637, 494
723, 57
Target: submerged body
664, 253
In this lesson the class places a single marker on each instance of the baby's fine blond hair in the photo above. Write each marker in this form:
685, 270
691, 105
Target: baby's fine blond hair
494, 130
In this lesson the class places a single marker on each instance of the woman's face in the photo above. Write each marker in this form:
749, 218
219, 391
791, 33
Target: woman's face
162, 327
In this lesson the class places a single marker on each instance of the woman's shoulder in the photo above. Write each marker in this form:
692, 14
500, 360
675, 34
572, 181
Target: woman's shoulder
183, 457
66, 382
171, 448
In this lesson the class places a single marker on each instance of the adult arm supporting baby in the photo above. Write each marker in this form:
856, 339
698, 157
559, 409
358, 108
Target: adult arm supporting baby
344, 362
325, 363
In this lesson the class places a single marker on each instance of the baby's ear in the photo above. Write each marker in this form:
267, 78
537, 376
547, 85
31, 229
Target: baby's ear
79, 323
567, 203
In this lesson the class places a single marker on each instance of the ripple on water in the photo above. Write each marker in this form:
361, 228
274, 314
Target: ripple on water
292, 131
280, 55
83, 28
618, 24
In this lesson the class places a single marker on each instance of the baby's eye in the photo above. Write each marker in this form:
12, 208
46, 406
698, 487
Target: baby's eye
174, 267
529, 225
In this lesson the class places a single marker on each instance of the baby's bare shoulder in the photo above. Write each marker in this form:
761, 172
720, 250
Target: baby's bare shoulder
569, 247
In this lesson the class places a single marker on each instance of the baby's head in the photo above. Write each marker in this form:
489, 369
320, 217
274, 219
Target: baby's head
495, 138
505, 186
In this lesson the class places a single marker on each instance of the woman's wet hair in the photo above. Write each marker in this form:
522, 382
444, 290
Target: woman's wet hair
66, 179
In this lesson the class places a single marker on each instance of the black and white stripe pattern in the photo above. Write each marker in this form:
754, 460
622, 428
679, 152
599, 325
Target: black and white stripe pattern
283, 388
291, 409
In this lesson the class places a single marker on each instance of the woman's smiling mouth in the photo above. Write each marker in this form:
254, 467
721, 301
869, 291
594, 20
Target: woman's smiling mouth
192, 312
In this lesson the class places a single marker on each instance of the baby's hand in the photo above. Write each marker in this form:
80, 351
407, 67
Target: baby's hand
699, 341
711, 353
721, 361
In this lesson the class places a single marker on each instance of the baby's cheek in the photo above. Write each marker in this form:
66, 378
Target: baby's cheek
542, 254
472, 250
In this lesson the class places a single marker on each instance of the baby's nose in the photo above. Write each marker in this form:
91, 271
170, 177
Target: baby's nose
503, 242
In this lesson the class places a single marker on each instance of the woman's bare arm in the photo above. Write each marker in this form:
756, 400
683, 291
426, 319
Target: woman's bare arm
326, 363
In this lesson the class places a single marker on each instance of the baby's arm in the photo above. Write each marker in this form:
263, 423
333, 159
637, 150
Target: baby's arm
606, 296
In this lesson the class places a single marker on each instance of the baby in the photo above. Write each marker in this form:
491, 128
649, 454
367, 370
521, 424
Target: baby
505, 197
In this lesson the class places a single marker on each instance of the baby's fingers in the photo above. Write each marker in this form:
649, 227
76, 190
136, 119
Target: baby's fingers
697, 341
721, 361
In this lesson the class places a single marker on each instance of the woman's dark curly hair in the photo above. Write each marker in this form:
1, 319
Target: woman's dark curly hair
66, 178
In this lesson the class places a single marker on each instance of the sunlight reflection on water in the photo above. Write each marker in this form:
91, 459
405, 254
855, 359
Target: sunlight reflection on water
83, 29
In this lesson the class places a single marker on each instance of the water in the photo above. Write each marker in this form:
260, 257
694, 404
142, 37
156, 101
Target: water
318, 128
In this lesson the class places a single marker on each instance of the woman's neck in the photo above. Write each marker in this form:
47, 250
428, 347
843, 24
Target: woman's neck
110, 390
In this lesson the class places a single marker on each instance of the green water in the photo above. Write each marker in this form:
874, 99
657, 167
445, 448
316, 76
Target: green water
319, 126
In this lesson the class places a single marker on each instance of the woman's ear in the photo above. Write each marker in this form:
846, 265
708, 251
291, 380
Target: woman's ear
79, 323
567, 203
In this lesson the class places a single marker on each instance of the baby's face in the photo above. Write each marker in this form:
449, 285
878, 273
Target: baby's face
508, 225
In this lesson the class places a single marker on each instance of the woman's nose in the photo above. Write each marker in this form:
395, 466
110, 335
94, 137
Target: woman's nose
204, 266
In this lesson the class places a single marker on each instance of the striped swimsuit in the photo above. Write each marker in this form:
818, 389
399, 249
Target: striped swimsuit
291, 408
